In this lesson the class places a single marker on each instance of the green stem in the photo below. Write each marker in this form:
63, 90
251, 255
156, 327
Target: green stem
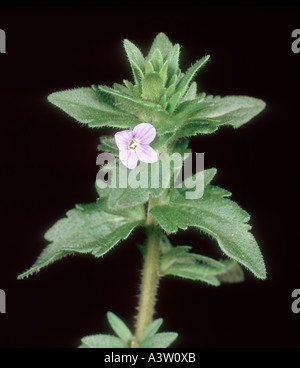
150, 278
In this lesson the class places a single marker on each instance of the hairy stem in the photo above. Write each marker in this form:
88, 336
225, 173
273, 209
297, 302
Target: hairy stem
150, 278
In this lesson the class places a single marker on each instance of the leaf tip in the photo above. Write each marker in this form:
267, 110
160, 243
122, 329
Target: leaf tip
109, 314
126, 42
262, 275
51, 98
262, 104
26, 274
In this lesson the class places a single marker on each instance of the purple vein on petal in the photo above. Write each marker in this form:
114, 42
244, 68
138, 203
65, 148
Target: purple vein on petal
146, 154
145, 132
128, 158
123, 138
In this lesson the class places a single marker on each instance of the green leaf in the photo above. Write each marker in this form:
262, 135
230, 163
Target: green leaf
151, 330
170, 90
102, 341
160, 340
148, 67
161, 43
123, 89
129, 103
160, 140
89, 228
173, 80
233, 110
191, 129
135, 58
138, 74
152, 87
157, 60
89, 107
121, 198
182, 116
119, 327
173, 102
219, 217
193, 272
141, 111
128, 84
188, 109
189, 75
179, 262
173, 66
163, 72
191, 93
137, 91
163, 101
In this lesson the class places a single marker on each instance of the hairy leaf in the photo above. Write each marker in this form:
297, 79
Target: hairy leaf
151, 330
148, 67
157, 60
179, 262
233, 110
161, 43
119, 327
152, 87
173, 102
189, 75
89, 107
191, 93
219, 217
159, 141
135, 58
187, 109
139, 107
102, 341
89, 228
123, 89
160, 340
164, 72
191, 129
173, 66
194, 272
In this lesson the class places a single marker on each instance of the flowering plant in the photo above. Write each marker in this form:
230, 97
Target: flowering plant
155, 115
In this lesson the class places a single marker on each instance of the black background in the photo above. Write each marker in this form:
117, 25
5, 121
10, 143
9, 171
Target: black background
48, 165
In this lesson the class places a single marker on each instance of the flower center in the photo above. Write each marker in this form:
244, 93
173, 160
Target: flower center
133, 144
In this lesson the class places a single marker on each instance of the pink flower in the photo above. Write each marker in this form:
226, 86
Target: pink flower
134, 145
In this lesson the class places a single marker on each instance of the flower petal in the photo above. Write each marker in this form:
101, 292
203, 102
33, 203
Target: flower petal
145, 132
146, 154
123, 138
129, 158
